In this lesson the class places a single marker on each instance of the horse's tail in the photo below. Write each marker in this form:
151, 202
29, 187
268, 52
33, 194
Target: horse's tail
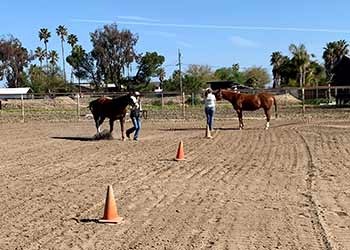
276, 109
91, 106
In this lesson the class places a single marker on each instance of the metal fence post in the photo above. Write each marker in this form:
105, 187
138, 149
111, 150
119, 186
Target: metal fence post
303, 99
162, 100
22, 104
78, 107
183, 104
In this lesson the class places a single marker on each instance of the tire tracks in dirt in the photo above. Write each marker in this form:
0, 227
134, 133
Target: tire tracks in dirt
314, 210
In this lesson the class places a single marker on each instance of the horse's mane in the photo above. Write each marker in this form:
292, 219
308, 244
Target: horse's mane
124, 99
120, 101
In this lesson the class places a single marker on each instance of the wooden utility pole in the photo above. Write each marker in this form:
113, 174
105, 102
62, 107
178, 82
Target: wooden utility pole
181, 89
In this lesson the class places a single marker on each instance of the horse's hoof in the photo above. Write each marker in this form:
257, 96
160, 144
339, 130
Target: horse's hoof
96, 136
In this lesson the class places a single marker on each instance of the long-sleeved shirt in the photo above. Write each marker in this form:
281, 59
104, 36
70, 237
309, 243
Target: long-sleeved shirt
210, 101
136, 110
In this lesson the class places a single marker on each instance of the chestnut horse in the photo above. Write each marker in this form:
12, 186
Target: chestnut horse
249, 102
113, 109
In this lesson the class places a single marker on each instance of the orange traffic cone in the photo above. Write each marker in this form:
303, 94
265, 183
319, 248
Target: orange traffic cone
207, 133
111, 213
180, 156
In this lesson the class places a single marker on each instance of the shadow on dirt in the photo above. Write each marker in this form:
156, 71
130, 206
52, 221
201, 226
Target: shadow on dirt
85, 220
181, 129
193, 129
104, 135
73, 138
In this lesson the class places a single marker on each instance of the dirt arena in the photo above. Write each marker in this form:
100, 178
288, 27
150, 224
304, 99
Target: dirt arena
285, 188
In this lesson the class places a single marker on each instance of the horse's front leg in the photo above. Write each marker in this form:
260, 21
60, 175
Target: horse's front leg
122, 123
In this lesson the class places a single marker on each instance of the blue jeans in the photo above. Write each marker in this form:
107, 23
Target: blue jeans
136, 121
209, 112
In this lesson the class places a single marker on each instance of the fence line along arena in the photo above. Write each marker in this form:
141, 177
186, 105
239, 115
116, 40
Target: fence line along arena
282, 188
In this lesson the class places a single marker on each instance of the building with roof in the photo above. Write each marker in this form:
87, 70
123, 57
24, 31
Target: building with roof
15, 93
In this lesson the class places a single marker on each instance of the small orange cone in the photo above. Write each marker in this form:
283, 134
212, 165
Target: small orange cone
180, 156
110, 213
207, 133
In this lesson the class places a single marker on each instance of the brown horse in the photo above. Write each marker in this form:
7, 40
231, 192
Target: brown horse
113, 109
241, 102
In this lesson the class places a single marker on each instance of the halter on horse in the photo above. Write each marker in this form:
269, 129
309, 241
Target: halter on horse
113, 109
248, 102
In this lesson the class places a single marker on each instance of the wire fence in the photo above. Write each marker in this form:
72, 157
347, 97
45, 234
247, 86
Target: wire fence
166, 105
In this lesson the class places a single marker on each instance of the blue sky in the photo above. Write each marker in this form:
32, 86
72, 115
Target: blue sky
217, 33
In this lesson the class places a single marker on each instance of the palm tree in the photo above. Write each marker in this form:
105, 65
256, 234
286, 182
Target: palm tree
72, 40
40, 54
44, 34
276, 61
53, 56
61, 31
332, 53
301, 59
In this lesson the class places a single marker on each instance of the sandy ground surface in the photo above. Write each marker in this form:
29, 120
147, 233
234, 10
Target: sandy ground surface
285, 188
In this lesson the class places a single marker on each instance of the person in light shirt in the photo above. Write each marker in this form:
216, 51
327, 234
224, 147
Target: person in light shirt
135, 115
209, 103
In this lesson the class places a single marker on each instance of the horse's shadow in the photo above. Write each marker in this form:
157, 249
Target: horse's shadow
104, 135
77, 138
74, 138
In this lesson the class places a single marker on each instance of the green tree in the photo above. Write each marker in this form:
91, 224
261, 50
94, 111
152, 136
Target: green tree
256, 77
192, 84
53, 59
37, 79
114, 51
62, 32
301, 60
316, 75
229, 74
14, 58
173, 83
203, 72
332, 53
276, 62
148, 66
76, 60
44, 35
40, 54
72, 40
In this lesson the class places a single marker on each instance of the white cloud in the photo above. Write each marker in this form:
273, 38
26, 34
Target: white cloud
242, 42
161, 33
217, 27
138, 18
91, 21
